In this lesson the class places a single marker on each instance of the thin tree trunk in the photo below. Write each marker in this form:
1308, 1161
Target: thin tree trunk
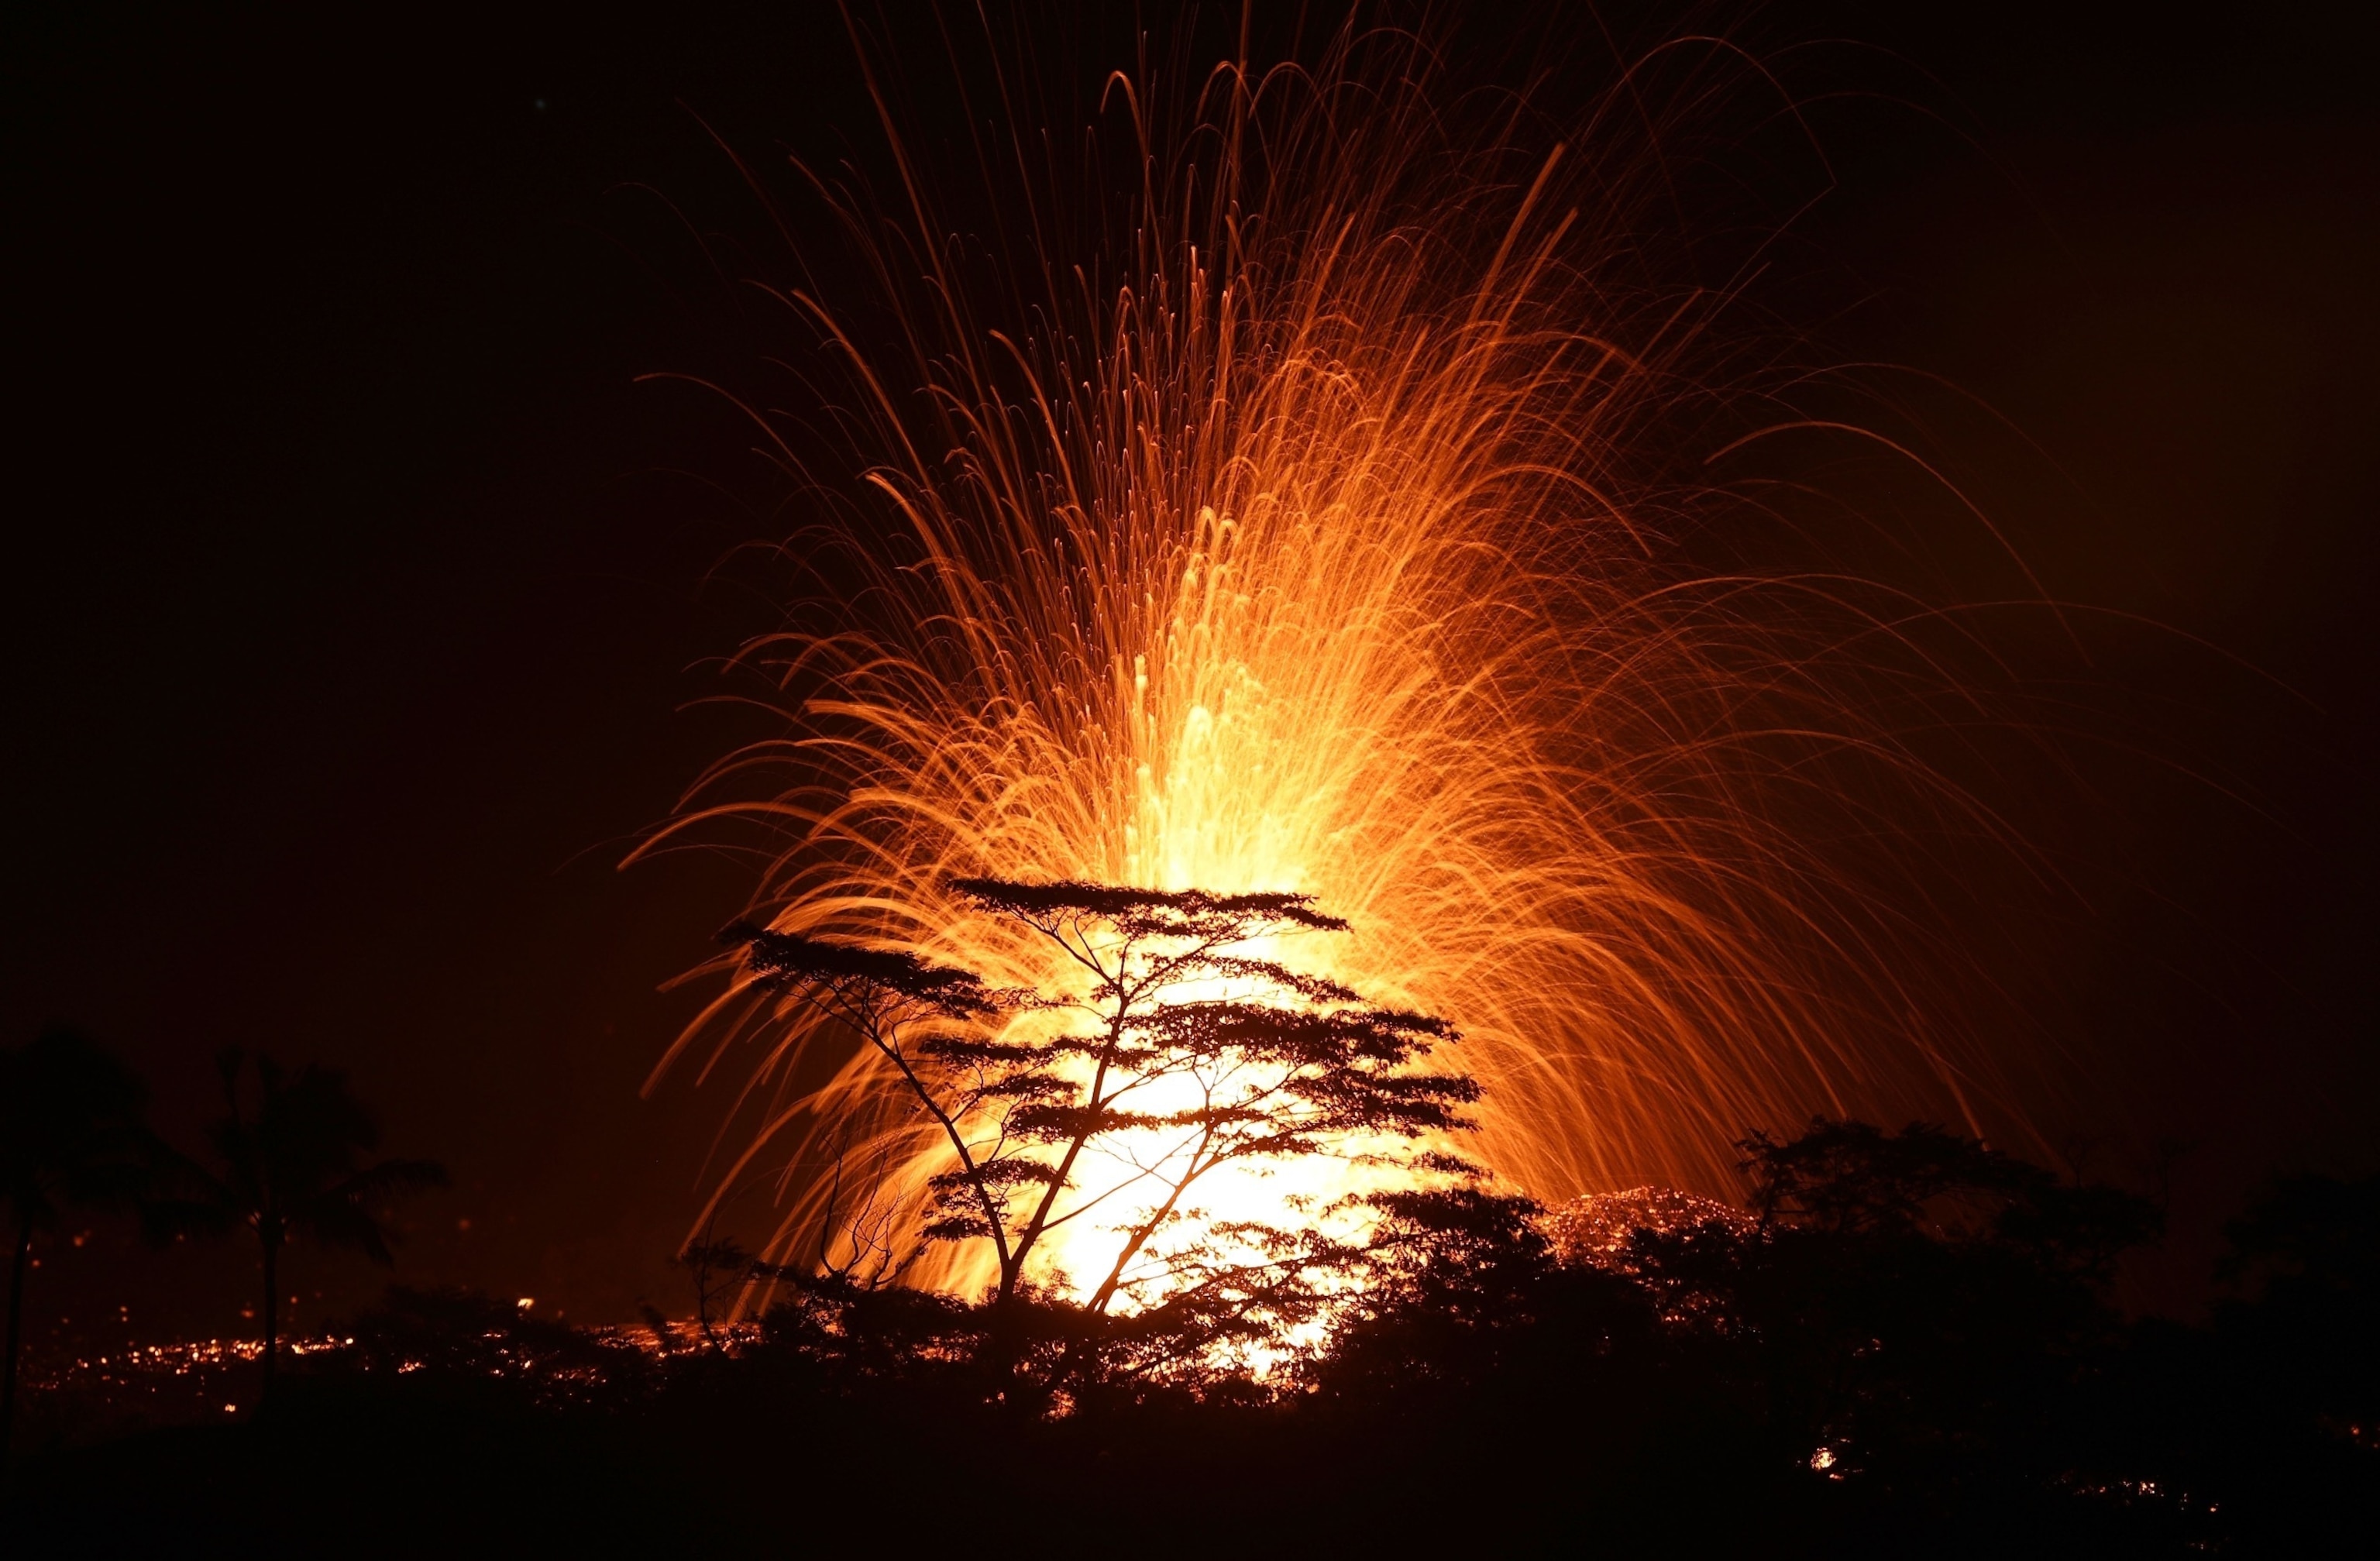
16, 1332
271, 1312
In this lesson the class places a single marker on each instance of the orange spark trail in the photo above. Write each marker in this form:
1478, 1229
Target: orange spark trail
1314, 553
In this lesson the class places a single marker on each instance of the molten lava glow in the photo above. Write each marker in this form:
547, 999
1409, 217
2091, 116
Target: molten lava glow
1322, 548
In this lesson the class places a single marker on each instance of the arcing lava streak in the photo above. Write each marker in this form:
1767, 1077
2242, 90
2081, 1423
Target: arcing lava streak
1303, 539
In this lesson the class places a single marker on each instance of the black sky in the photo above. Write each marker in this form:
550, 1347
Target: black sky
353, 585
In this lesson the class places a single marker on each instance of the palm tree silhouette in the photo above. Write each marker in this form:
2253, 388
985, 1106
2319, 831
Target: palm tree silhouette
70, 1133
289, 1169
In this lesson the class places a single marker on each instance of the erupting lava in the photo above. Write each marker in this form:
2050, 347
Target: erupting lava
1306, 532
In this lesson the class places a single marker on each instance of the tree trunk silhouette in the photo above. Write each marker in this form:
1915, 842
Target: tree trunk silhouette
16, 1332
272, 1314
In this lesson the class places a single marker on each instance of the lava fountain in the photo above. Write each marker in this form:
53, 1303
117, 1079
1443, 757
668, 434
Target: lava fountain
1296, 534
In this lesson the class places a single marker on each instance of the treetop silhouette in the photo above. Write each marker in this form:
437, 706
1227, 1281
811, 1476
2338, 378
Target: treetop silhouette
70, 1133
288, 1168
1850, 1179
1159, 1050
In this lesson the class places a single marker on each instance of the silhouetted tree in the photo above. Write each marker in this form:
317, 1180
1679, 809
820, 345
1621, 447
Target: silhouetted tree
1910, 1356
70, 1133
1909, 1352
1167, 1051
2288, 1398
719, 1268
2308, 1249
1850, 1179
1926, 1314
288, 1168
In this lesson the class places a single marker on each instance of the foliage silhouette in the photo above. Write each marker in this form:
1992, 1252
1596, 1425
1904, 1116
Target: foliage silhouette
719, 1268
1925, 1310
1167, 1052
1912, 1354
1851, 1179
2279, 1406
287, 1169
70, 1133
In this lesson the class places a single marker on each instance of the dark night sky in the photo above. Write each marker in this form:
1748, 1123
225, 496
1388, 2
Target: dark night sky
353, 587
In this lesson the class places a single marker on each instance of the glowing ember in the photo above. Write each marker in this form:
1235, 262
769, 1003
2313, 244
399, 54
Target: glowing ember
1596, 1230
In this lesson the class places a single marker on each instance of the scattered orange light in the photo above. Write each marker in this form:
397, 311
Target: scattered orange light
1325, 551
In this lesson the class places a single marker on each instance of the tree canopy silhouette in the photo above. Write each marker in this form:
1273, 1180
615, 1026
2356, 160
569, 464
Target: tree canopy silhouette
1913, 1353
70, 1133
1849, 1179
1164, 1052
289, 1170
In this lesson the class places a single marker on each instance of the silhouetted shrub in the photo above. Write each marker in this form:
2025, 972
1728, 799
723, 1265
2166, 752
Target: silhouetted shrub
1906, 1350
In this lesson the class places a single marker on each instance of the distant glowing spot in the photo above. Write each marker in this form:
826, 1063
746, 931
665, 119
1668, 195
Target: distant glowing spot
462, 1225
526, 1302
231, 1408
